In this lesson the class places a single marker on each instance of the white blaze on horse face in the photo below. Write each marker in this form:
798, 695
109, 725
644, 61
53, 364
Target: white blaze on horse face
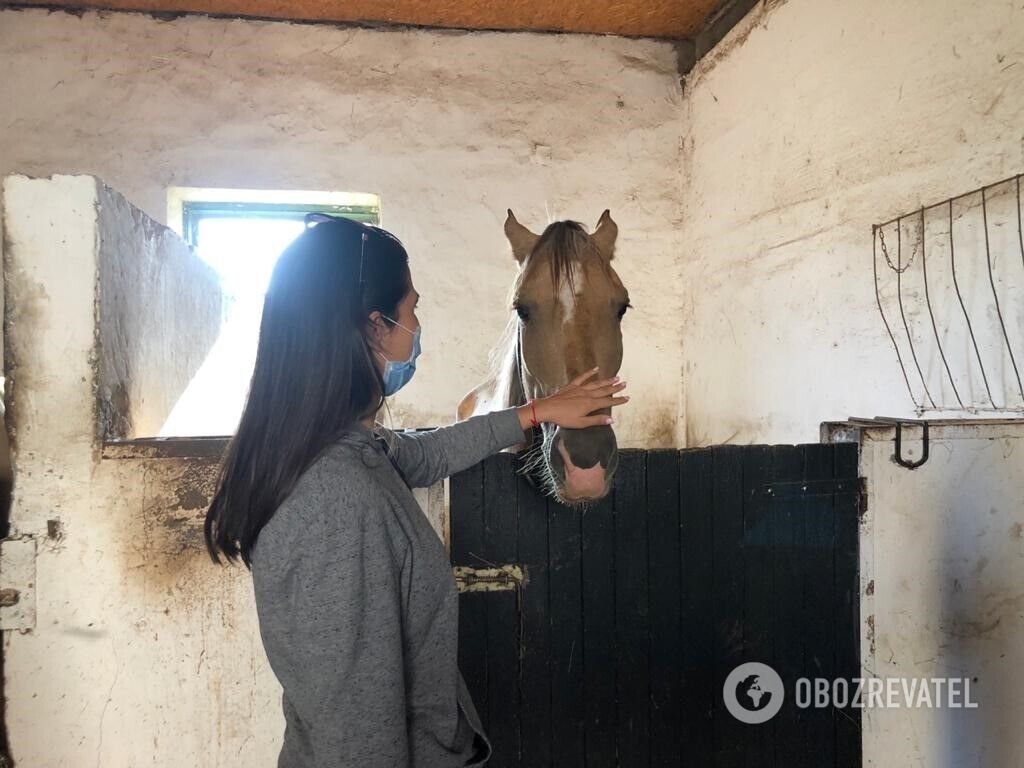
567, 296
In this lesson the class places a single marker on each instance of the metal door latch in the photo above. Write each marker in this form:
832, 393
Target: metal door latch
502, 578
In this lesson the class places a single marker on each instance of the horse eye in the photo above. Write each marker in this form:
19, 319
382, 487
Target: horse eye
523, 312
622, 311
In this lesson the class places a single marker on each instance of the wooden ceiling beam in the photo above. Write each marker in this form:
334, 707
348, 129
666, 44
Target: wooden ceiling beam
670, 19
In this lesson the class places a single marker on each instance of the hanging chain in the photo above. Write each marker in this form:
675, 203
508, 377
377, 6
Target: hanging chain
885, 252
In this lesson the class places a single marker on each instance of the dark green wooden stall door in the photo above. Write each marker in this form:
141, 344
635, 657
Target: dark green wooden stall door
615, 649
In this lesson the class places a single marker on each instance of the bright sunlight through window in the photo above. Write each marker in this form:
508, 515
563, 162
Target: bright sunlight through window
241, 233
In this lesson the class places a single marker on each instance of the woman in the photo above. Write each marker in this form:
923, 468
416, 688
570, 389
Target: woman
357, 603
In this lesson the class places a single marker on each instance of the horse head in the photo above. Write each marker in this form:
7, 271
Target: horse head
566, 306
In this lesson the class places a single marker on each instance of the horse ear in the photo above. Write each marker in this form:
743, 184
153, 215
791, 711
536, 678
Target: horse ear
520, 237
605, 234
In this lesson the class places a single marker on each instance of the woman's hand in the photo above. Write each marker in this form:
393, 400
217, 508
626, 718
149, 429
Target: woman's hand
569, 407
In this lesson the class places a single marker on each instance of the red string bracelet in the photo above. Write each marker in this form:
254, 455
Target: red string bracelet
533, 418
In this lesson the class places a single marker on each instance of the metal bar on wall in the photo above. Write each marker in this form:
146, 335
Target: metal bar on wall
985, 324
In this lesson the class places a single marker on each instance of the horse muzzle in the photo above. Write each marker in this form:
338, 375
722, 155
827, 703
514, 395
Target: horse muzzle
583, 462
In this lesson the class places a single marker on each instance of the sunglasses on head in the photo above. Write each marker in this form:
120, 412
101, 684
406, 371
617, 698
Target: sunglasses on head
364, 229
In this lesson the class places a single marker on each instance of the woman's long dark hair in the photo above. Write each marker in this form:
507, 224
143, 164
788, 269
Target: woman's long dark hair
314, 375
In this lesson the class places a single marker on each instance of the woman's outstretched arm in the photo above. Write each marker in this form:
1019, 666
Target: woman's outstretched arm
427, 457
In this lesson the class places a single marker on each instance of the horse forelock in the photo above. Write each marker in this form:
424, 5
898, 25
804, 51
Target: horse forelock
562, 245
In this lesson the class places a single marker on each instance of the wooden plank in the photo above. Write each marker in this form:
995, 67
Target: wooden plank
697, 642
502, 611
819, 627
758, 556
632, 639
599, 659
788, 533
566, 636
665, 671
534, 669
727, 587
847, 605
706, 20
467, 536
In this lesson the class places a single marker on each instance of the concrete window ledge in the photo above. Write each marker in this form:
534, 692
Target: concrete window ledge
166, 448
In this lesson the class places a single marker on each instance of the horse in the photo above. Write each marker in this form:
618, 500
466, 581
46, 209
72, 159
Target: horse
566, 307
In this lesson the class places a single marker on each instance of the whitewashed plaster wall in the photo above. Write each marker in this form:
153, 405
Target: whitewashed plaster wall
450, 129
128, 646
812, 121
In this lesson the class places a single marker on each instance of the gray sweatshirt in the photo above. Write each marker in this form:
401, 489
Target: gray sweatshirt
358, 607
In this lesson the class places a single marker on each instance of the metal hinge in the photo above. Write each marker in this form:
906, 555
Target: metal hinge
18, 583
504, 577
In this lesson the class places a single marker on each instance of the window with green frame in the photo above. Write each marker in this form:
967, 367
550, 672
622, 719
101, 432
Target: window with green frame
195, 212
241, 234
242, 240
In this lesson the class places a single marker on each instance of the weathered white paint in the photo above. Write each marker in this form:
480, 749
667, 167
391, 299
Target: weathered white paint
811, 121
449, 129
141, 651
942, 592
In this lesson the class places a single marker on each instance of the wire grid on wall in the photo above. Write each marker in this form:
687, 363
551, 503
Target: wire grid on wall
949, 282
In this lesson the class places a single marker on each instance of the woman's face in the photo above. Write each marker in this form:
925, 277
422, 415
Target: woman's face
394, 342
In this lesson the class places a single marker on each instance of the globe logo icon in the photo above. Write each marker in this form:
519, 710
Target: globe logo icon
750, 694
753, 693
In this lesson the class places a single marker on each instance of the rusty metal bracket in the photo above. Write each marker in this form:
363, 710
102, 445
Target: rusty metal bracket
502, 578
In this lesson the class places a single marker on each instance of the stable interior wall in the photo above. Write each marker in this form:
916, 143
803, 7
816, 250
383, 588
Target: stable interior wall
812, 121
127, 646
450, 129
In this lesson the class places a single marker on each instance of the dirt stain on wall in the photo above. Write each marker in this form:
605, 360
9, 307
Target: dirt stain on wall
169, 561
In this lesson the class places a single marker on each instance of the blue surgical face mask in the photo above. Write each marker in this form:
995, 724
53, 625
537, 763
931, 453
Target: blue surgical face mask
398, 372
